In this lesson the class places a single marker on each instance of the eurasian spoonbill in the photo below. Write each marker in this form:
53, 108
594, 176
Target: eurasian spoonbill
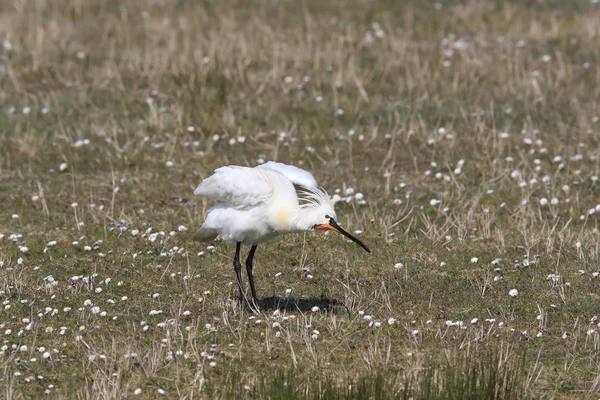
256, 204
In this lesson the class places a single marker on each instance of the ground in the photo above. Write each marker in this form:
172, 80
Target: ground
460, 140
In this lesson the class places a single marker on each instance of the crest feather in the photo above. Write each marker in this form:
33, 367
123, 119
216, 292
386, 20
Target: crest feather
312, 197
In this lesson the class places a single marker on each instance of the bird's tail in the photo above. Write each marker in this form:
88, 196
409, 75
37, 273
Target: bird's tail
205, 235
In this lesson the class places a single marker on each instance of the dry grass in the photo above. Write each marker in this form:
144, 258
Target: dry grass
471, 129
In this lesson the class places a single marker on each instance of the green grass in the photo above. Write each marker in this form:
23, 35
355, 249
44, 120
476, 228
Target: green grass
116, 90
462, 376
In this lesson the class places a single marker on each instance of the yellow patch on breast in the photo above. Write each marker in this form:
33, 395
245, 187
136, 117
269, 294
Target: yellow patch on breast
282, 220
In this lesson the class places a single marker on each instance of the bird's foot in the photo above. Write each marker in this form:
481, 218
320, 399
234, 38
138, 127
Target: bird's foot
254, 305
250, 304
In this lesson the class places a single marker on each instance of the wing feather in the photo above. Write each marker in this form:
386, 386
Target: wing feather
296, 175
239, 187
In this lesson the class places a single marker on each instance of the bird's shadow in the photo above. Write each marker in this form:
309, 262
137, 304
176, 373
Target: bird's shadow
302, 305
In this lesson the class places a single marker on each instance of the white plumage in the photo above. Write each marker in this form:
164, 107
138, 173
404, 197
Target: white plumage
298, 176
258, 203
238, 187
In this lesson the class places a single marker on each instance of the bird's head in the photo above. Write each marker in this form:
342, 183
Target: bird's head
317, 213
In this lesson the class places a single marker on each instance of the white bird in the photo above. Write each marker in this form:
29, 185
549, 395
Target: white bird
256, 204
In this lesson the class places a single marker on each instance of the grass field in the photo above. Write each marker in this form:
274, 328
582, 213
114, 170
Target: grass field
461, 139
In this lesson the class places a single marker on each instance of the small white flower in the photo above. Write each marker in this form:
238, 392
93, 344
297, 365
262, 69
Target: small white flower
137, 391
169, 164
474, 260
62, 167
398, 266
543, 202
391, 321
315, 309
513, 292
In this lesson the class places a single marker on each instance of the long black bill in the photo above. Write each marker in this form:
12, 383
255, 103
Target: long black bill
349, 236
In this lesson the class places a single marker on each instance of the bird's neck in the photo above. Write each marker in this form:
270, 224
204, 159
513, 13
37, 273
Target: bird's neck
302, 219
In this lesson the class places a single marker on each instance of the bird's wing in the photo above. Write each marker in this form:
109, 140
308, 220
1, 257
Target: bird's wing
296, 175
239, 187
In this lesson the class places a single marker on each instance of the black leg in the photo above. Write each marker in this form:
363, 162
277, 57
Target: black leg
237, 267
249, 271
